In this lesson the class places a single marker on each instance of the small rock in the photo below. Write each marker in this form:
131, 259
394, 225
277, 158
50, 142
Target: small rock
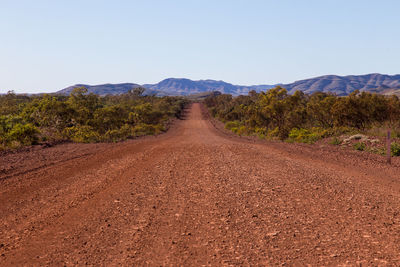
360, 137
273, 233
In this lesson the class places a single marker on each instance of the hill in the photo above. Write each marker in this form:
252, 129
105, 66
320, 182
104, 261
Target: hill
107, 89
340, 85
176, 86
344, 85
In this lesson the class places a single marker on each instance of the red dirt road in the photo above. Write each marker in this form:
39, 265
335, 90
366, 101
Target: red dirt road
196, 196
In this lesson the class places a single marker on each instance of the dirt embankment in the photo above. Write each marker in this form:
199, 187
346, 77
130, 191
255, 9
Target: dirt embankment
195, 196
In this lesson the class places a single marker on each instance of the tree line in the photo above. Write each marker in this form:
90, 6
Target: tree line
301, 117
83, 117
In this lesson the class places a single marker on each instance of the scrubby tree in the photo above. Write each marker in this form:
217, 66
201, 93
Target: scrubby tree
278, 113
83, 117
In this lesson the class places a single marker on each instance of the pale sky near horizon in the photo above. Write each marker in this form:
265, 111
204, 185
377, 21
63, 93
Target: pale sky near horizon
47, 45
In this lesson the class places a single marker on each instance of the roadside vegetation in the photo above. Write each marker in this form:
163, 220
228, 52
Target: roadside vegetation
303, 118
82, 117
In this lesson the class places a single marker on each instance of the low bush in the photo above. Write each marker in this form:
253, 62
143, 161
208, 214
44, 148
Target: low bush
81, 134
272, 133
123, 133
232, 126
335, 141
83, 117
261, 132
243, 130
26, 134
307, 136
360, 146
147, 129
395, 149
396, 133
376, 150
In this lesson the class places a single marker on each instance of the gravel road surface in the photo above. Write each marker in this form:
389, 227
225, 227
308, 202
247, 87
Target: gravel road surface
198, 196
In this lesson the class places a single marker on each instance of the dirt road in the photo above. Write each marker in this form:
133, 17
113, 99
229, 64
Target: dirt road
196, 196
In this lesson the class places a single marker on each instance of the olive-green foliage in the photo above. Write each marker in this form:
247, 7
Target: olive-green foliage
335, 141
109, 118
14, 130
26, 134
49, 111
359, 110
304, 118
360, 146
120, 134
395, 149
81, 134
319, 108
238, 128
309, 136
232, 125
11, 104
83, 117
147, 129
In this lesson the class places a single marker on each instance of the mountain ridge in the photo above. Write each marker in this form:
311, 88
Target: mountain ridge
340, 85
344, 85
184, 86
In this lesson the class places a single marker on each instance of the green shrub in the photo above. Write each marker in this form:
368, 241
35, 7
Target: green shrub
118, 135
15, 144
335, 141
273, 133
232, 125
302, 136
261, 132
299, 135
82, 117
308, 136
377, 150
50, 134
395, 149
113, 136
244, 130
26, 134
147, 129
360, 146
81, 134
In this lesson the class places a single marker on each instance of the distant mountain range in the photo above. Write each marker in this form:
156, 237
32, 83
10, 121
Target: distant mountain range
102, 89
344, 85
340, 85
173, 86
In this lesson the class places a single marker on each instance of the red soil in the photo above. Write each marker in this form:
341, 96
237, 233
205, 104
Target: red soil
198, 196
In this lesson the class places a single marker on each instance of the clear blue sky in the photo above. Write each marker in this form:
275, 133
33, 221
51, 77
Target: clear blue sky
48, 45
